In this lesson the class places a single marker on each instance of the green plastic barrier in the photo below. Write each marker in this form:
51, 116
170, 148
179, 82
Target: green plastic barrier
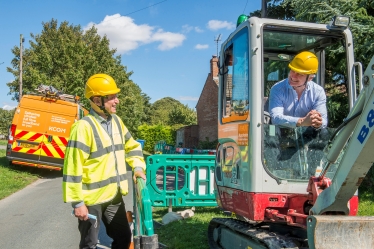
143, 210
181, 180
144, 236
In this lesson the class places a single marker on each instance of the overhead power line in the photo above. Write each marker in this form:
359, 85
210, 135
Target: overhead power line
245, 6
134, 11
144, 8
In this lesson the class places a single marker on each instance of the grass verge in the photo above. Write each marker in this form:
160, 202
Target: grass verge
365, 206
3, 142
13, 178
188, 233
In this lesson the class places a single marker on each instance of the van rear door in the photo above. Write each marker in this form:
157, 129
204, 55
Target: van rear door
59, 119
28, 125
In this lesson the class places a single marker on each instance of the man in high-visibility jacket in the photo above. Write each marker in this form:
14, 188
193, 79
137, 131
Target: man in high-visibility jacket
94, 173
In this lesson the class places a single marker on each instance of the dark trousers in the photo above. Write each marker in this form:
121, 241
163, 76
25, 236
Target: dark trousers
113, 215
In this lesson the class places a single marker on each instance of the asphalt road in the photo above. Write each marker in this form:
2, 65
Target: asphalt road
36, 217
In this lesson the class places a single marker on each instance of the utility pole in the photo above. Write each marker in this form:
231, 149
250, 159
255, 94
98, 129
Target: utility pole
20, 67
217, 40
264, 8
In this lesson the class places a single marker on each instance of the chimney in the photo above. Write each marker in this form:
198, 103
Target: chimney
214, 68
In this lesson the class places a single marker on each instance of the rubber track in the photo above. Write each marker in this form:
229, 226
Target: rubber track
263, 237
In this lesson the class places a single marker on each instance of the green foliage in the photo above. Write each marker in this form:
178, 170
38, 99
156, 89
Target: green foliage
161, 109
207, 144
154, 133
65, 56
6, 118
337, 104
361, 13
361, 25
147, 109
183, 115
168, 111
365, 194
276, 9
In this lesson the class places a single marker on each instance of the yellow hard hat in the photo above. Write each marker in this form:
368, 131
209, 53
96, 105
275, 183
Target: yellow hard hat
304, 63
100, 85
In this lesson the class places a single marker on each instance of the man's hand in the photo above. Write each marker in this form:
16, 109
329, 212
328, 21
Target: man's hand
313, 118
316, 118
81, 212
139, 173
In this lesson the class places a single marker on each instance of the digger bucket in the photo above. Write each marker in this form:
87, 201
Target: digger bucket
338, 231
144, 237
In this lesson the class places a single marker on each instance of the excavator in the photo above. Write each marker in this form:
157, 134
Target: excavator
292, 187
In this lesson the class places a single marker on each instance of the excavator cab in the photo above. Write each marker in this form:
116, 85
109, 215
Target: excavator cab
296, 153
267, 175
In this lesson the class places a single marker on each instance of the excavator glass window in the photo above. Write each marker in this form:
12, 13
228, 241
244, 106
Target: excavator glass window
295, 153
235, 79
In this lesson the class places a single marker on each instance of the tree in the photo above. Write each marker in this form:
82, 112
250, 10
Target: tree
168, 111
6, 117
65, 56
359, 11
182, 115
160, 110
276, 9
155, 133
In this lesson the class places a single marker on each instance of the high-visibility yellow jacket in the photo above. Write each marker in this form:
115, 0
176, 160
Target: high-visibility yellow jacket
94, 164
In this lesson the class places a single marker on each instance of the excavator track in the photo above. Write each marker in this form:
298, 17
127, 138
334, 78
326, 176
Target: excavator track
225, 233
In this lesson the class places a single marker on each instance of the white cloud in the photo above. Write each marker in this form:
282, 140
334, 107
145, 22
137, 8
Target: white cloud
216, 25
125, 35
198, 30
187, 28
168, 40
188, 98
8, 107
201, 46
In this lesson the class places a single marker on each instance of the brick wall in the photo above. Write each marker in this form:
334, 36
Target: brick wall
207, 106
188, 136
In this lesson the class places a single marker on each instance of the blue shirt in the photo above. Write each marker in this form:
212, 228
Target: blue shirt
286, 109
105, 123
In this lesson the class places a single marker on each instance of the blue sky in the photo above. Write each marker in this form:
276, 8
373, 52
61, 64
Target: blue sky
167, 44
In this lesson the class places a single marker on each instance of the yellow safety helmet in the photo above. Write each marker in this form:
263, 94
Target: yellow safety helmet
100, 85
304, 63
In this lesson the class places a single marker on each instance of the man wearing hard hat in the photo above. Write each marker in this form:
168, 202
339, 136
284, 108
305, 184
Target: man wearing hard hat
297, 100
94, 173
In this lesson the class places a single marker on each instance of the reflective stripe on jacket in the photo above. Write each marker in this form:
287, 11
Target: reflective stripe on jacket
94, 164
